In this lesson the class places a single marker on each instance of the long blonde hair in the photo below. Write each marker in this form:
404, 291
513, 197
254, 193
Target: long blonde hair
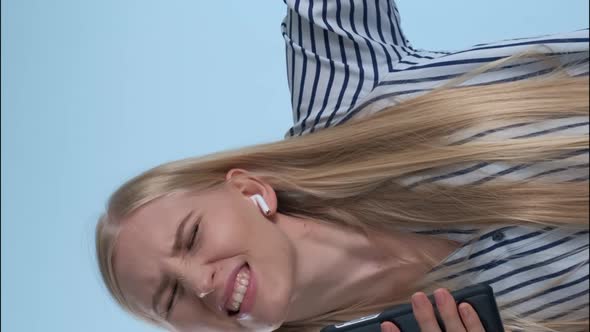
351, 175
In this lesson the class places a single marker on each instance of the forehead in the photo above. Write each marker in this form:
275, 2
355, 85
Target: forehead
145, 239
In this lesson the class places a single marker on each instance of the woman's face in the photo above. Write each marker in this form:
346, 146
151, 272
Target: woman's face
178, 246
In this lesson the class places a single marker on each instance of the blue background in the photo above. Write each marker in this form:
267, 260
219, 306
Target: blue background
94, 92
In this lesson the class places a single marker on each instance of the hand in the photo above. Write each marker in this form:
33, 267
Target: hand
447, 308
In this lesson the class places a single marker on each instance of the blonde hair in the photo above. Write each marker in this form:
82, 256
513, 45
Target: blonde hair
350, 175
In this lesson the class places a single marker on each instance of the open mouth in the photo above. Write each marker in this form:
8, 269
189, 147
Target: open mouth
234, 304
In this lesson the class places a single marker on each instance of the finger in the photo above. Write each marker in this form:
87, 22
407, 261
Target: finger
424, 313
470, 318
447, 307
389, 327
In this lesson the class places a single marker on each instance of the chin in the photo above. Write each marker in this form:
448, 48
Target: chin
257, 325
269, 317
267, 307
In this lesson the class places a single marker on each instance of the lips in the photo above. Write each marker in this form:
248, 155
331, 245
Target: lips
229, 287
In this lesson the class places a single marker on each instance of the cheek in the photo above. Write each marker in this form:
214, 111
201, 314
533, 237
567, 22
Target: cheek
228, 231
242, 218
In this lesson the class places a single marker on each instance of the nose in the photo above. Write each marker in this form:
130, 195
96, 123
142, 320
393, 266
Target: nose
203, 294
199, 278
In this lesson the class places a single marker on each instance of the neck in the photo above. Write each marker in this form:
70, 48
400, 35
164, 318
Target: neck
337, 267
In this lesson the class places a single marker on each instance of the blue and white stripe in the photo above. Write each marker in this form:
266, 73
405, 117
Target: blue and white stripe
347, 58
536, 273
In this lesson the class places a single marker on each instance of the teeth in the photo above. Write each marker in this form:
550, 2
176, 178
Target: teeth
235, 306
238, 297
240, 287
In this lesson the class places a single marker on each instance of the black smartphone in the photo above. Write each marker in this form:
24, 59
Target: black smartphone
479, 296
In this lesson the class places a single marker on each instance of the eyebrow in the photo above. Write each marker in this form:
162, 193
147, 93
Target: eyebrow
166, 281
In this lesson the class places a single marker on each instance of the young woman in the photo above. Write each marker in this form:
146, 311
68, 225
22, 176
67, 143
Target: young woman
401, 176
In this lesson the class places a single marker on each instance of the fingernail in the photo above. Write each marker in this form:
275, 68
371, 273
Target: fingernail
440, 297
419, 300
464, 311
387, 328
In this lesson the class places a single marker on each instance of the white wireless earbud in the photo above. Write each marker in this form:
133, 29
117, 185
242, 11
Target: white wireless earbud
258, 200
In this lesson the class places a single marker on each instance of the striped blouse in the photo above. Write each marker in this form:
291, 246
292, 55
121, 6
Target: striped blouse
346, 58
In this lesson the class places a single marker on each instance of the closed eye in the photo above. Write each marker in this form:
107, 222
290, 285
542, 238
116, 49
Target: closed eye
171, 300
194, 232
177, 288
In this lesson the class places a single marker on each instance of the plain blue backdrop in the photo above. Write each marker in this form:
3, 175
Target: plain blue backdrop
94, 92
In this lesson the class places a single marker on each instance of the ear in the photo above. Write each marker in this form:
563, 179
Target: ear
247, 185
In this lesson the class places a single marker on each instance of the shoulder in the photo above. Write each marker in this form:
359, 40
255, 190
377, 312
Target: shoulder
416, 74
534, 271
